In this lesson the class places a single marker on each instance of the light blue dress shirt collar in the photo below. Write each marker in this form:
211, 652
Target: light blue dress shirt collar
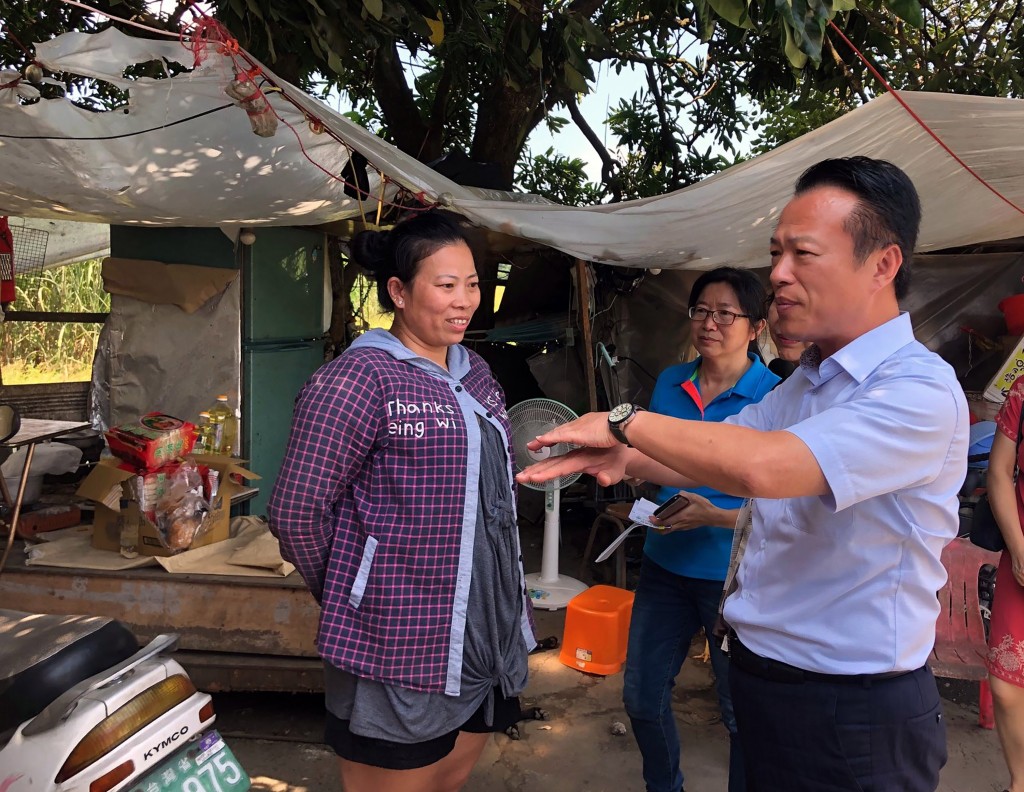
861, 356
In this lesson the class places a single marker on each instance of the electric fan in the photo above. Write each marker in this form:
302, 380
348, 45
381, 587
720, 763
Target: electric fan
528, 419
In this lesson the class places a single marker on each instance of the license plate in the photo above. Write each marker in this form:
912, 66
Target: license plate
205, 764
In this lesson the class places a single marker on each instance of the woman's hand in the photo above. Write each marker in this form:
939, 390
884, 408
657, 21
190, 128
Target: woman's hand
1017, 565
700, 511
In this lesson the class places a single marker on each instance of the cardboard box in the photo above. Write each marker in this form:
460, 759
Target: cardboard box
104, 487
1001, 383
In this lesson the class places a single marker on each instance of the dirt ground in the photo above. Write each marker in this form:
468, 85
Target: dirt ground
575, 749
277, 738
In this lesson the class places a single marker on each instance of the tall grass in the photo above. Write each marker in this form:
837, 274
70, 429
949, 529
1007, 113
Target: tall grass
36, 352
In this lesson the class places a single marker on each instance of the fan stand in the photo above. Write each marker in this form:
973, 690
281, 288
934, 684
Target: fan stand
549, 590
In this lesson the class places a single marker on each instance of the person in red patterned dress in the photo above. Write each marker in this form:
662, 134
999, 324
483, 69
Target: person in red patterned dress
1006, 633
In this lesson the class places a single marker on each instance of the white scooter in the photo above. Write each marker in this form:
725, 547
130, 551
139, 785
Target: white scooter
83, 709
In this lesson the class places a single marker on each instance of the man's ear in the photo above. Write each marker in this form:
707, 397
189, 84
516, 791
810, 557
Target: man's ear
887, 265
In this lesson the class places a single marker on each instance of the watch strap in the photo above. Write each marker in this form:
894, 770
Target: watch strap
617, 428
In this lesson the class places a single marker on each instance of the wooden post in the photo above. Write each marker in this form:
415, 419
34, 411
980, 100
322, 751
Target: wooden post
583, 291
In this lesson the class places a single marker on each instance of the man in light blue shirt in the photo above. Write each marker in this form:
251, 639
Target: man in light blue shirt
854, 464
887, 424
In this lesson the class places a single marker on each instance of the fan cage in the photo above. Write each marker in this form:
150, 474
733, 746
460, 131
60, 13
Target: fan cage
534, 417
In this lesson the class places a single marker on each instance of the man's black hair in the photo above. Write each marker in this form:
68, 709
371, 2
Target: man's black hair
888, 208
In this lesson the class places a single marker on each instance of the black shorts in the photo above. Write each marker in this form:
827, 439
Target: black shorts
409, 756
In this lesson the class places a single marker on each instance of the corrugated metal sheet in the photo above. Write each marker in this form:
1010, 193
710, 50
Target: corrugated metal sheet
59, 401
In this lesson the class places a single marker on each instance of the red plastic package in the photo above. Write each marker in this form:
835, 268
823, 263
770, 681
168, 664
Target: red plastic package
154, 441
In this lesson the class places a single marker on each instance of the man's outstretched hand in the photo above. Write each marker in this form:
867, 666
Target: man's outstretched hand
599, 453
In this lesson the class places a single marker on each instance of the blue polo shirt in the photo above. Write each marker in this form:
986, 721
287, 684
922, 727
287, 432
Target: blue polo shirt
701, 552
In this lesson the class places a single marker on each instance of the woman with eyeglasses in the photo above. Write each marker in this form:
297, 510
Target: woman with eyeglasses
686, 559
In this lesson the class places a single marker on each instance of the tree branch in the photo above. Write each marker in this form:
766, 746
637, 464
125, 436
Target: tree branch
667, 141
975, 46
927, 4
396, 100
852, 78
598, 54
585, 7
433, 144
609, 167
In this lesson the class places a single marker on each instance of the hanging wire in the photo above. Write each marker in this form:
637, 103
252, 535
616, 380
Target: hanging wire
205, 32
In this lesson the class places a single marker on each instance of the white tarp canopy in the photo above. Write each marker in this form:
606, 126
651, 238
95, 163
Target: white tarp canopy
55, 243
180, 154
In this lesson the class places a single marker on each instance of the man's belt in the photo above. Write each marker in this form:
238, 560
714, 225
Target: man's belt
777, 671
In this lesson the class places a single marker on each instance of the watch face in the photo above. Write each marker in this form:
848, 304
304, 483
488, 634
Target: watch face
620, 413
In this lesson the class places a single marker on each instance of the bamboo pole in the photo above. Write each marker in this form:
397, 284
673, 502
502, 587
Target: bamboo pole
583, 292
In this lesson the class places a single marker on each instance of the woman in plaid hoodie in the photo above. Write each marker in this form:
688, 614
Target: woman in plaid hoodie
396, 504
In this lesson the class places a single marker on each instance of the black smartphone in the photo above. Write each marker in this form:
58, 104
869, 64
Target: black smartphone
671, 506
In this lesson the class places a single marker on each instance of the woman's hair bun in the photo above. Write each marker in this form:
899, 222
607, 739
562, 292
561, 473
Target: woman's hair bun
369, 249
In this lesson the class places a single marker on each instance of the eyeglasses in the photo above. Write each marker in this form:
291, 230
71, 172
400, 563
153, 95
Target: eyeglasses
722, 318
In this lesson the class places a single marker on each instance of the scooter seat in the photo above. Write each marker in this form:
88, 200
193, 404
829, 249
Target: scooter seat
41, 656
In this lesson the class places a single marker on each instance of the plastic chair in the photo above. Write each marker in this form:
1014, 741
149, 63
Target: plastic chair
960, 648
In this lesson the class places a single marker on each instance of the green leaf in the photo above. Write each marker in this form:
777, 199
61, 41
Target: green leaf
270, 42
732, 11
705, 19
797, 57
374, 8
946, 45
844, 5
575, 80
334, 62
254, 9
907, 10
593, 34
804, 24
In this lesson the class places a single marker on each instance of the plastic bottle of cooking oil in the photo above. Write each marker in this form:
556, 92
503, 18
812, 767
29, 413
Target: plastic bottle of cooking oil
204, 435
223, 427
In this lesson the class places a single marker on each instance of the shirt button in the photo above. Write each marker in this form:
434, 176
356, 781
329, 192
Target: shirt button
458, 389
489, 415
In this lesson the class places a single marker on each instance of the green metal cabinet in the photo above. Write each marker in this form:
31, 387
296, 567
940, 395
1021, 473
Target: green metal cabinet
282, 342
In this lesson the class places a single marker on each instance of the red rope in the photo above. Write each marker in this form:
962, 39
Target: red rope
919, 120
211, 33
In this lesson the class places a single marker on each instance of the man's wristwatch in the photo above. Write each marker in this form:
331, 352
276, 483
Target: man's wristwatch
619, 417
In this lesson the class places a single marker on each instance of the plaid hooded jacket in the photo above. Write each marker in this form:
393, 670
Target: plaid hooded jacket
376, 505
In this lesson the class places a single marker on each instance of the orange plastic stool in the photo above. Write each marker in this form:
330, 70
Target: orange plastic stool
597, 630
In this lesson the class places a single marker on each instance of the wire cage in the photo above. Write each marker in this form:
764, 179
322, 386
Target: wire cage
29, 249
